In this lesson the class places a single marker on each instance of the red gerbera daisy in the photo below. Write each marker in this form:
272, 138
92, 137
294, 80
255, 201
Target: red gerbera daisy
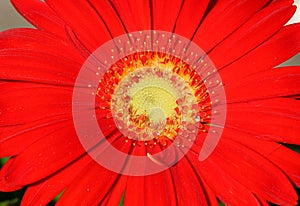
152, 102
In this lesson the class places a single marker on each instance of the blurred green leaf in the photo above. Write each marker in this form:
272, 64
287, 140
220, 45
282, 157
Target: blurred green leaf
58, 196
11, 198
3, 161
122, 200
221, 203
10, 202
296, 148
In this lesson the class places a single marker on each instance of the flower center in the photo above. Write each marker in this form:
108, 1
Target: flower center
151, 106
155, 98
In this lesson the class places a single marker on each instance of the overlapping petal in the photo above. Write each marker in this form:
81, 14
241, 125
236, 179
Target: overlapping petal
277, 82
40, 15
87, 25
282, 46
262, 25
44, 191
224, 18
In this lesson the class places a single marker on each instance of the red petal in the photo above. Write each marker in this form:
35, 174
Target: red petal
87, 25
136, 14
287, 160
254, 172
271, 83
134, 185
107, 12
43, 192
187, 184
210, 194
287, 107
44, 157
159, 189
263, 202
226, 188
94, 183
223, 19
32, 66
282, 46
90, 187
190, 16
165, 13
270, 122
255, 31
38, 40
117, 192
3, 186
27, 134
45, 101
39, 14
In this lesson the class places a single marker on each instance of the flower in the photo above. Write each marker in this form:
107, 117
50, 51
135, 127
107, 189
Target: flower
244, 41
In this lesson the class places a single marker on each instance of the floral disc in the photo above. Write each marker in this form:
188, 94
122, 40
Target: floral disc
151, 88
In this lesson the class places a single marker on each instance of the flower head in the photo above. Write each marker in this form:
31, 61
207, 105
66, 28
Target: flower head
153, 102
